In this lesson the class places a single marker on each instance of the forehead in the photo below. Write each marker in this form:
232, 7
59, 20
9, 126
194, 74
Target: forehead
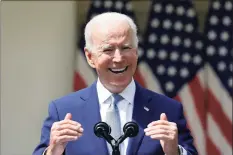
114, 33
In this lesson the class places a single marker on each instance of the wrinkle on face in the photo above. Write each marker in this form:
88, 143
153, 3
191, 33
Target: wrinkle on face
113, 48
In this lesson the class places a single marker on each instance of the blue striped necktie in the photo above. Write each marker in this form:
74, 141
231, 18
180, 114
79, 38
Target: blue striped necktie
113, 117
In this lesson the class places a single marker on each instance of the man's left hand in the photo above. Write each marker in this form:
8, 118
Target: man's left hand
166, 132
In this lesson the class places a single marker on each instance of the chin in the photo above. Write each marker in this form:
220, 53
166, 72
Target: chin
116, 89
119, 86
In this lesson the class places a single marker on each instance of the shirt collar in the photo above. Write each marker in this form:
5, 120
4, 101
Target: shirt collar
128, 93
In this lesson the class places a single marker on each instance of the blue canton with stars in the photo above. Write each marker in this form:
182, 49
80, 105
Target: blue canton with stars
219, 30
173, 46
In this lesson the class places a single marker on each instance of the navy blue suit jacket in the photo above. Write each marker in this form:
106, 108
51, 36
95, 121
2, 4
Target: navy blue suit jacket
84, 107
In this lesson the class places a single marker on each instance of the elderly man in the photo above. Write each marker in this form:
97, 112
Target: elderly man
111, 48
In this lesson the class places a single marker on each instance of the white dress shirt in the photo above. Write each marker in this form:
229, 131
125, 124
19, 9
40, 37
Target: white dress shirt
125, 107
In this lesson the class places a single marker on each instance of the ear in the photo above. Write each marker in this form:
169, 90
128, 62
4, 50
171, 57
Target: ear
136, 51
90, 57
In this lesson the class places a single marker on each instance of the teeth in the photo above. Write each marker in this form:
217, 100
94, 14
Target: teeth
118, 70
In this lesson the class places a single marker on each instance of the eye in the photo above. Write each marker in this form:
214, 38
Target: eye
126, 48
108, 50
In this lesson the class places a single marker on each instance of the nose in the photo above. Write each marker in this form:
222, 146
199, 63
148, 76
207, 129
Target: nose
117, 56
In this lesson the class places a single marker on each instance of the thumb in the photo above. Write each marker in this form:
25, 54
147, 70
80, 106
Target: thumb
163, 117
68, 116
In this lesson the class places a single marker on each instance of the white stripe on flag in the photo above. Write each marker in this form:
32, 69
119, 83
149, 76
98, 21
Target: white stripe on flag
193, 119
214, 84
217, 137
151, 81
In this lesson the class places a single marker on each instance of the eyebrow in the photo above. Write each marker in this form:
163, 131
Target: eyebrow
109, 46
106, 46
127, 44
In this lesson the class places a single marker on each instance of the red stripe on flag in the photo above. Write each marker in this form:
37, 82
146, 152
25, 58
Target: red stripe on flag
79, 82
219, 117
139, 78
211, 148
177, 98
198, 97
187, 125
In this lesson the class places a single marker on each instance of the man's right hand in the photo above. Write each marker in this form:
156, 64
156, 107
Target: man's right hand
63, 132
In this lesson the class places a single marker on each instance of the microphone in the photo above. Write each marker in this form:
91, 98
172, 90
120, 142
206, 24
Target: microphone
103, 130
130, 130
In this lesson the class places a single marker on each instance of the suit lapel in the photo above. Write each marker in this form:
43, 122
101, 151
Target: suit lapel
142, 116
92, 116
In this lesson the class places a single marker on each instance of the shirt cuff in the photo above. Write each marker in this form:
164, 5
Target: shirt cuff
183, 151
45, 151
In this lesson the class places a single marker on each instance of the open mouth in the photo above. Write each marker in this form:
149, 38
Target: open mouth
118, 70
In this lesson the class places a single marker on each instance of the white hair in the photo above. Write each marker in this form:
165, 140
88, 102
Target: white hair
108, 18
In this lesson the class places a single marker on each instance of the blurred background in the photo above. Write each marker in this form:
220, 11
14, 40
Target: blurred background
185, 52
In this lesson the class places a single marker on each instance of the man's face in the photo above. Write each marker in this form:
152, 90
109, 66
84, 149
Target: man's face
113, 56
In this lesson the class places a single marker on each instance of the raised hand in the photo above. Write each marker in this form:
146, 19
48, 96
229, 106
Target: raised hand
61, 133
166, 132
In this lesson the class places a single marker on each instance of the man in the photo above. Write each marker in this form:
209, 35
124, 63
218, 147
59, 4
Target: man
111, 48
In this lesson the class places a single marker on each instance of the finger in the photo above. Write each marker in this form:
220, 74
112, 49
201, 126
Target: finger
56, 134
173, 124
160, 131
67, 132
77, 128
68, 116
158, 127
65, 138
159, 122
161, 137
55, 126
69, 122
65, 125
163, 117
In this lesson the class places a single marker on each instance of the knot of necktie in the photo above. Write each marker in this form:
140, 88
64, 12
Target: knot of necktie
117, 98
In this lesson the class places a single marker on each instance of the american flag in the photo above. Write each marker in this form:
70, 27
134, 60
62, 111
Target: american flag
84, 75
219, 52
173, 61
